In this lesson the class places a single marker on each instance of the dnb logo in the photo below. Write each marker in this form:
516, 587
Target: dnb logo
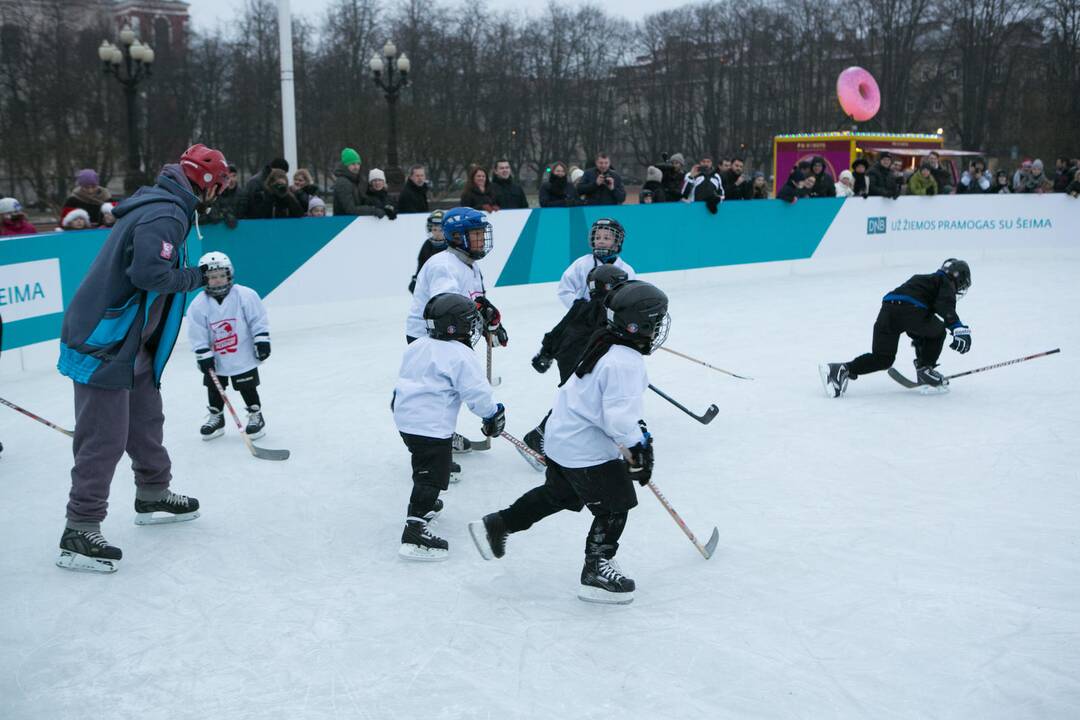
223, 335
875, 226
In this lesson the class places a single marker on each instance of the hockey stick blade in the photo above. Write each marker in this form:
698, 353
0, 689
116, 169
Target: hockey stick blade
899, 377
484, 444
261, 453
705, 419
710, 547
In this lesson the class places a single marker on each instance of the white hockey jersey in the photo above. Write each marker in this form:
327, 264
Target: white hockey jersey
445, 272
574, 284
229, 329
595, 414
436, 376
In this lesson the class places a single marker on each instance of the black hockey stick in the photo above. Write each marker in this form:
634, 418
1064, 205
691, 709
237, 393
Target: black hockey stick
900, 378
41, 420
702, 362
261, 453
705, 419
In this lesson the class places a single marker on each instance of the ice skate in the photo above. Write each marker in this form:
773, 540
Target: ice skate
87, 551
214, 427
489, 535
455, 473
603, 582
535, 440
434, 512
256, 426
834, 377
417, 542
930, 380
460, 444
169, 509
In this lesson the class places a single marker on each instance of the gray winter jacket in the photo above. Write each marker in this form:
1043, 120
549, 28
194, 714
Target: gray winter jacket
143, 262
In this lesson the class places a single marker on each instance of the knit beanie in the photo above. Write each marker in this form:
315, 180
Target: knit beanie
86, 178
349, 156
9, 205
315, 202
107, 208
376, 174
677, 158
1036, 164
653, 174
75, 214
576, 174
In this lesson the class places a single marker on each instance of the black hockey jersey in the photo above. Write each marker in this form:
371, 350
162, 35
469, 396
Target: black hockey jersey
567, 340
934, 292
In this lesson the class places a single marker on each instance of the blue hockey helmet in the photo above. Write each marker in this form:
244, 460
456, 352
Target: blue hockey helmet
469, 231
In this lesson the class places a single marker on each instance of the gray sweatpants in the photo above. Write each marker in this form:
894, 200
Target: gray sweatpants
109, 423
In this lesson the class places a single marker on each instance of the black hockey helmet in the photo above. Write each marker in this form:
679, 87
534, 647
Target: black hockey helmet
611, 231
434, 229
638, 311
603, 278
959, 272
451, 316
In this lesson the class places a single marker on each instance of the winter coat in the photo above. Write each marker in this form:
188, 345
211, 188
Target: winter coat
944, 180
671, 181
478, 200
413, 198
1073, 188
1032, 183
882, 181
702, 187
999, 188
507, 193
269, 205
862, 184
970, 186
133, 294
224, 208
558, 192
88, 199
594, 194
244, 198
304, 194
918, 185
733, 189
349, 199
379, 198
17, 226
824, 185
843, 190
791, 191
657, 189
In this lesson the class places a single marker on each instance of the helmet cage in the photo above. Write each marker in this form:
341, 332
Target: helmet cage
606, 228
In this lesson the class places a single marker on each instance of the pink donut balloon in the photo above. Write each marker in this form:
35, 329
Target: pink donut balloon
858, 93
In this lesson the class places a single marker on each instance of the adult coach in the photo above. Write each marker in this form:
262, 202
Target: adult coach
117, 335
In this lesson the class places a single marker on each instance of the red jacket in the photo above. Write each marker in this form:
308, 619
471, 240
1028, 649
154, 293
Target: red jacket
21, 226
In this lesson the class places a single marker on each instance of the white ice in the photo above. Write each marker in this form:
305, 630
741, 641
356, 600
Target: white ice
885, 555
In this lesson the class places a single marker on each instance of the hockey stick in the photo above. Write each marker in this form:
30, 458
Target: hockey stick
702, 362
493, 381
900, 378
520, 445
708, 548
41, 420
710, 413
261, 453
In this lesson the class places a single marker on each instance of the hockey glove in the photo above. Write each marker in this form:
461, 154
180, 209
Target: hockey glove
961, 339
494, 425
541, 362
203, 269
499, 336
490, 314
204, 359
262, 349
641, 457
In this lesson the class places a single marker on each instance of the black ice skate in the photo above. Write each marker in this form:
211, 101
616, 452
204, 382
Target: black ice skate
214, 427
169, 509
489, 535
417, 542
535, 440
434, 512
834, 376
460, 443
87, 551
256, 426
603, 582
455, 472
930, 380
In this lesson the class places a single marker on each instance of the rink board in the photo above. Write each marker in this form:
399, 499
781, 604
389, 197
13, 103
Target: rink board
315, 270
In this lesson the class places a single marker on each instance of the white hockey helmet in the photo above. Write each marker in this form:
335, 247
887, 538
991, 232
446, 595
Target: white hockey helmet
217, 261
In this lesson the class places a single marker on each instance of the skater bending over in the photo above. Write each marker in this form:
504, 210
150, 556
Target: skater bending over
596, 416
924, 307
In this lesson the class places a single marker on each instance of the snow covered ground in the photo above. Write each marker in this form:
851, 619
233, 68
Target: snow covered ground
887, 555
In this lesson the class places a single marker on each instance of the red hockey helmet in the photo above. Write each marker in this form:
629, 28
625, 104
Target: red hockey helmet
205, 167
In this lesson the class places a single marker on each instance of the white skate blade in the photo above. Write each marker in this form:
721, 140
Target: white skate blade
480, 539
931, 390
257, 435
533, 462
162, 517
423, 554
591, 594
81, 563
216, 434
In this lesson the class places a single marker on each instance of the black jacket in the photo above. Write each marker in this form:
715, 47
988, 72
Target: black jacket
791, 192
558, 192
743, 191
882, 182
507, 193
657, 189
413, 198
479, 200
594, 194
671, 182
267, 205
246, 194
224, 208
349, 199
567, 340
304, 195
862, 184
935, 292
378, 198
824, 185
944, 180
705, 186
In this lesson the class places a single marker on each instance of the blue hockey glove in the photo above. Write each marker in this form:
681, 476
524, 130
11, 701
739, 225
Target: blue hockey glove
495, 424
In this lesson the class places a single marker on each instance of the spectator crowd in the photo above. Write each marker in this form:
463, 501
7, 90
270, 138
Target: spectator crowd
269, 194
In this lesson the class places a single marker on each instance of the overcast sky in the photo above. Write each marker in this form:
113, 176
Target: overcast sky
205, 14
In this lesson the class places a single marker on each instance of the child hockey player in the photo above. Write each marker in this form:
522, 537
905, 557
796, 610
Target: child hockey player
566, 341
913, 308
596, 415
469, 238
606, 240
229, 332
438, 373
434, 243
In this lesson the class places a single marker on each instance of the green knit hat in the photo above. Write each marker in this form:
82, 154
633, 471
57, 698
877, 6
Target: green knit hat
349, 156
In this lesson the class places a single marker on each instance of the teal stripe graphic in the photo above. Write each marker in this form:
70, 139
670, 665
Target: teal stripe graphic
672, 236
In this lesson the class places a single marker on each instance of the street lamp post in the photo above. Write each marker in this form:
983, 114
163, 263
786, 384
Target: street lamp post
394, 65
135, 58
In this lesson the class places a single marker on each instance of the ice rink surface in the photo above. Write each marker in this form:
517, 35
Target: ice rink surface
886, 555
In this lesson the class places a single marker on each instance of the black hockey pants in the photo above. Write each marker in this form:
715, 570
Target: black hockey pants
431, 458
925, 329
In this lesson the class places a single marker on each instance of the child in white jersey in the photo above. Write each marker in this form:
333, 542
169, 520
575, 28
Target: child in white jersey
438, 373
606, 240
229, 332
